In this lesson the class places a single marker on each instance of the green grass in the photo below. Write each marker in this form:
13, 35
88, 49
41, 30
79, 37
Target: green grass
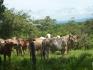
74, 60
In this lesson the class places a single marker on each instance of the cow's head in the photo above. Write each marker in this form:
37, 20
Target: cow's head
74, 38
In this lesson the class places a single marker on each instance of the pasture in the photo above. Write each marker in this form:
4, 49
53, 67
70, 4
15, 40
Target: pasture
18, 28
74, 60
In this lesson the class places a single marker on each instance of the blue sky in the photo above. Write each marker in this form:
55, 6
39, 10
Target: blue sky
57, 9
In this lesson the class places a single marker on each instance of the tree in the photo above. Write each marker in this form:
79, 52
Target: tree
16, 24
44, 25
2, 8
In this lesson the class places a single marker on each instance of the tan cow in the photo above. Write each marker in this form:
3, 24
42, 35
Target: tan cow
38, 43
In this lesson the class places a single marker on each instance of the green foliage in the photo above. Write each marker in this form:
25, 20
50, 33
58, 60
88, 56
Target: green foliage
16, 24
44, 24
2, 8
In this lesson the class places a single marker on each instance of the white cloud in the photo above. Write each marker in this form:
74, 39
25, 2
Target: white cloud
58, 9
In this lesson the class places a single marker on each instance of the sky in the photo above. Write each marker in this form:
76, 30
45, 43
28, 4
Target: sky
57, 9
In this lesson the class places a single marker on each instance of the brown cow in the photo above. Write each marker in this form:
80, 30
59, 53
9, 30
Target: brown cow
23, 44
19, 44
16, 44
6, 49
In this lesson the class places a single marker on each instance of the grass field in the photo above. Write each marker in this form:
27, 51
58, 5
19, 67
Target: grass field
74, 60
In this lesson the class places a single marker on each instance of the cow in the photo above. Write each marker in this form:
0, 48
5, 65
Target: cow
58, 36
42, 37
20, 45
16, 45
70, 41
52, 44
62, 44
38, 44
48, 35
6, 49
74, 41
23, 44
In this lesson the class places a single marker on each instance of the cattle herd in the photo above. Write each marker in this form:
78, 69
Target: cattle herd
43, 44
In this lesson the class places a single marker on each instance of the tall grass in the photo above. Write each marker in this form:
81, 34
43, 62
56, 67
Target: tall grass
74, 60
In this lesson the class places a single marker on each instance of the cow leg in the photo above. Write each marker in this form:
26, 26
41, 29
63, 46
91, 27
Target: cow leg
62, 51
66, 50
47, 53
0, 60
43, 54
20, 50
4, 57
9, 56
30, 55
17, 52
23, 50
40, 53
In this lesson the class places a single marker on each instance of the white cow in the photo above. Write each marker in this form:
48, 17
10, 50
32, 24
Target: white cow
48, 35
58, 36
